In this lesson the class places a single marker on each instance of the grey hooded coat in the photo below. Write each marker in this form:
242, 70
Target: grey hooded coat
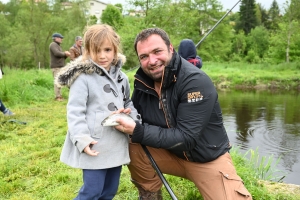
94, 94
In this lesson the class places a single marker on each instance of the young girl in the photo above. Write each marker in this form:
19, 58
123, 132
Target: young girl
97, 88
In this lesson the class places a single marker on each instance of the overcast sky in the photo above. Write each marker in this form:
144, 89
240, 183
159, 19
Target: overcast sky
227, 4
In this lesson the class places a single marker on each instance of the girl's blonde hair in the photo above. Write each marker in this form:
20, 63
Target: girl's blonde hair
95, 36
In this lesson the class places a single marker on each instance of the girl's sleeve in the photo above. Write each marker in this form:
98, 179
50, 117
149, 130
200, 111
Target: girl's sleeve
76, 114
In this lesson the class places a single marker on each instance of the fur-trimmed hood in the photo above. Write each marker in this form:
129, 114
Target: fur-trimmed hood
68, 74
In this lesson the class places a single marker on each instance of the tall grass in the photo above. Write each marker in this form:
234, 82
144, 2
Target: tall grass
29, 160
265, 167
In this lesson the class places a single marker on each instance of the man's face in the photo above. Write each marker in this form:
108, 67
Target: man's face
79, 42
58, 40
154, 55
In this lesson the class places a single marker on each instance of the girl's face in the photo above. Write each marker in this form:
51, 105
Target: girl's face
105, 55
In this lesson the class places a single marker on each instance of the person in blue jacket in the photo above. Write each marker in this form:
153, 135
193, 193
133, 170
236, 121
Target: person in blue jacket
187, 50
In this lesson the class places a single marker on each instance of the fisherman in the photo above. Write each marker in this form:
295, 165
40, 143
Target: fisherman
182, 124
187, 50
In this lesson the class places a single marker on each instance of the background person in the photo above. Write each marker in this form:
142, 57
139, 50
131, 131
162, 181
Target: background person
3, 109
187, 50
77, 49
57, 60
182, 124
97, 88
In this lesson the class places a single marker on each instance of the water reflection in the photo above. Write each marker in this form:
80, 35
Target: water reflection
267, 120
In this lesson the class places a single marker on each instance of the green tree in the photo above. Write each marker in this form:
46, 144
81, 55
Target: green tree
132, 26
32, 25
4, 34
248, 19
274, 16
258, 41
239, 45
120, 7
291, 26
112, 16
262, 15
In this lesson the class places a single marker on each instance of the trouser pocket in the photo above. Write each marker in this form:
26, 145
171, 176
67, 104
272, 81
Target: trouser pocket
234, 187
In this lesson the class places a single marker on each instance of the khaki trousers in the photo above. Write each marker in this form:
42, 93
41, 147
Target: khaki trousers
216, 180
57, 91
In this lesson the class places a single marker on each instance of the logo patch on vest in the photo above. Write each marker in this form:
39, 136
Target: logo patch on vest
194, 97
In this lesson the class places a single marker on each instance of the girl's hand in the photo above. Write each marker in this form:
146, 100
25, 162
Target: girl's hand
123, 110
89, 151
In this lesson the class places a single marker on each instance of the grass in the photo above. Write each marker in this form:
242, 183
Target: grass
29, 161
282, 76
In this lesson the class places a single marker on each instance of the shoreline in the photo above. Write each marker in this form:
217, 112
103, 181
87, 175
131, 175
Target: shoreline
287, 188
270, 86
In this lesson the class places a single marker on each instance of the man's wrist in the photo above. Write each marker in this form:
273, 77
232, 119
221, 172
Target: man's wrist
138, 133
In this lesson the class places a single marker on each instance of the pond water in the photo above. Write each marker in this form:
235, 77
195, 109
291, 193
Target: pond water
266, 121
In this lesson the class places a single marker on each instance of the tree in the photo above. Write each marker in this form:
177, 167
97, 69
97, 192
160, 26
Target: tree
274, 16
262, 16
248, 18
258, 41
291, 25
4, 33
239, 44
112, 16
132, 26
120, 6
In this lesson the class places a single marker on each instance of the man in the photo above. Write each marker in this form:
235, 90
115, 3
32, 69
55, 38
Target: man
182, 124
57, 60
76, 50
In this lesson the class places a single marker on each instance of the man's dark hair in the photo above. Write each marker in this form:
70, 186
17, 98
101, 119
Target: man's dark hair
144, 34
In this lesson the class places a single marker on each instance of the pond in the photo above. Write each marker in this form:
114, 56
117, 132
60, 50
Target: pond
268, 122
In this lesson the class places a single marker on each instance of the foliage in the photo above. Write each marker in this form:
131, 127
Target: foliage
112, 16
274, 16
248, 19
264, 167
120, 7
128, 33
258, 41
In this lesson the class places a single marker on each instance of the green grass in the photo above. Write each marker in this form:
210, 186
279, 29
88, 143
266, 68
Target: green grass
29, 161
282, 76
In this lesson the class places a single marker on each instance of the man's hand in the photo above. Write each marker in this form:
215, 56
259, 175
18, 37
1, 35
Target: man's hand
125, 126
67, 53
89, 151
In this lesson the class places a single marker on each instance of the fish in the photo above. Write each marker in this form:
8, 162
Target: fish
111, 119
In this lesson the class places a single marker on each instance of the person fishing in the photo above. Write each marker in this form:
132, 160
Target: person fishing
187, 50
98, 88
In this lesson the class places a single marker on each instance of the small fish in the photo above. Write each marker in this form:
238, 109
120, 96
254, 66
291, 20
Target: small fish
111, 119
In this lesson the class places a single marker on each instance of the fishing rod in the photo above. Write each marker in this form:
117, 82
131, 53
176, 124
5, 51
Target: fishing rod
161, 176
216, 25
